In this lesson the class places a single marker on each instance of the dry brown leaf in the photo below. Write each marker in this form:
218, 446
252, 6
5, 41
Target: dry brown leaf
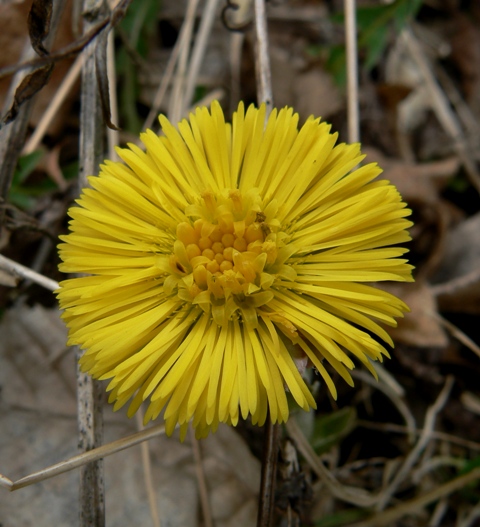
419, 328
457, 282
415, 181
13, 38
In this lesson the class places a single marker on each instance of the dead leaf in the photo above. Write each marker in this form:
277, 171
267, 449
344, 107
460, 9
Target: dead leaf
30, 85
39, 19
457, 281
419, 328
415, 181
101, 71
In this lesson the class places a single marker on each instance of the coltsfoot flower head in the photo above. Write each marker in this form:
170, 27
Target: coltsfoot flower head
223, 253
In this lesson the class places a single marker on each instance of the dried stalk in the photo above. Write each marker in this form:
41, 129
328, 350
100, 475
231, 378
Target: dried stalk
389, 516
52, 109
82, 459
353, 495
398, 402
20, 271
147, 472
414, 455
352, 71
202, 484
90, 393
201, 42
269, 473
262, 59
272, 431
441, 107
177, 102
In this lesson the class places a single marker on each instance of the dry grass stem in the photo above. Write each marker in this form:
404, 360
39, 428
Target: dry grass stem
352, 71
416, 452
90, 392
20, 271
456, 284
201, 480
60, 95
113, 136
396, 399
177, 101
457, 333
165, 82
399, 429
438, 513
262, 59
441, 106
147, 474
87, 457
354, 495
199, 48
410, 507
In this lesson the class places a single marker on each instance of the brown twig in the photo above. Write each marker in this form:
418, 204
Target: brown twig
269, 471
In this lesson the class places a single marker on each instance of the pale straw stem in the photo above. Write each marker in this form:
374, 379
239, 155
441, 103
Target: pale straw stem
199, 48
88, 457
147, 473
60, 95
262, 59
21, 271
177, 101
352, 71
113, 136
201, 480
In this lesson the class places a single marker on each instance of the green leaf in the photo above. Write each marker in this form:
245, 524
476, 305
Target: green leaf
329, 429
25, 166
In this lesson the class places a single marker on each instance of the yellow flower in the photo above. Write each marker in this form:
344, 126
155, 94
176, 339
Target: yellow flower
220, 255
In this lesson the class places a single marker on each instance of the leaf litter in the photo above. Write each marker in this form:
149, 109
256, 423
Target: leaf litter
372, 430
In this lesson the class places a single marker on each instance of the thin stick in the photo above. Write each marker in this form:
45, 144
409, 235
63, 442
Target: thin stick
441, 106
352, 72
201, 480
113, 136
415, 453
458, 333
90, 392
354, 495
269, 472
21, 271
60, 95
399, 403
400, 429
147, 471
177, 102
262, 60
272, 430
166, 79
389, 516
87, 457
201, 42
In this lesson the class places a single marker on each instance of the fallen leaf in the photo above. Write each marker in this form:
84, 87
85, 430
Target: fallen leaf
419, 328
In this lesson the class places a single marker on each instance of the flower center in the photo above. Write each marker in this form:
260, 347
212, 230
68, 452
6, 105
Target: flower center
229, 255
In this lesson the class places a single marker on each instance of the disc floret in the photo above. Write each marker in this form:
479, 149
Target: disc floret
228, 255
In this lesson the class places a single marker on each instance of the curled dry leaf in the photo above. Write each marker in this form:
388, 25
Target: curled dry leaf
39, 24
420, 328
